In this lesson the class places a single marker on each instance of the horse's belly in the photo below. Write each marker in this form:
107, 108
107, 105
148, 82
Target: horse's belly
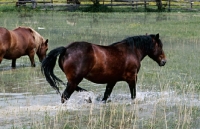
102, 78
12, 56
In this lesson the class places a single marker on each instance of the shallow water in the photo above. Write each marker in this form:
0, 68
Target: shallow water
19, 109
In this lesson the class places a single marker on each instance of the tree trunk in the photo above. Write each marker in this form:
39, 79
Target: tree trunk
159, 4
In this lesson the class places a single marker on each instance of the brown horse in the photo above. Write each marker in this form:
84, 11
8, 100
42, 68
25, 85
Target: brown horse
119, 61
22, 41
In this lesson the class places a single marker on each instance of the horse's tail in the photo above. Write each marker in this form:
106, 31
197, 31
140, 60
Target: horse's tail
48, 65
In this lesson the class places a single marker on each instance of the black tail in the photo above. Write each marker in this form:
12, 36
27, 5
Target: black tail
48, 65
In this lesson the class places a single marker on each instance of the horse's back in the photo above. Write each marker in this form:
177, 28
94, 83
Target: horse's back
22, 35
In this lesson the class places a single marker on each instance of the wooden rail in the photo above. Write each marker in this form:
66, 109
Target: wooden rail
34, 3
133, 3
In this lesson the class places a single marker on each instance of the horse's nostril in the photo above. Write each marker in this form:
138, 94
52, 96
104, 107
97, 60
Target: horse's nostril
163, 62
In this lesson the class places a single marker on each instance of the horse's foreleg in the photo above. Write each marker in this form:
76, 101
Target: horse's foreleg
132, 87
31, 57
32, 61
14, 63
108, 91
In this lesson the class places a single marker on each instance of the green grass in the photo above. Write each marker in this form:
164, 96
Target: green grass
180, 36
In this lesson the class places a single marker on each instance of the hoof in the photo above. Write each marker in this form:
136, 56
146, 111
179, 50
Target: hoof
63, 100
108, 101
103, 101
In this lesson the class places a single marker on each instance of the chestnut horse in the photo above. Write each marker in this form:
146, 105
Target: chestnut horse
119, 61
22, 41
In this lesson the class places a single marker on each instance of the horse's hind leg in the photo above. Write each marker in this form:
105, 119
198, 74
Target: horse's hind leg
1, 58
108, 91
14, 63
79, 89
71, 87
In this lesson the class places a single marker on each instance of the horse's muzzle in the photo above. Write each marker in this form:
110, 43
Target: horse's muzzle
41, 60
162, 62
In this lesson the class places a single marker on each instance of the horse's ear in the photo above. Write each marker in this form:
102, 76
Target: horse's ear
157, 36
46, 42
146, 34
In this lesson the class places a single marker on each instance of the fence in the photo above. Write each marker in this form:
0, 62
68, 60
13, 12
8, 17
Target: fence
183, 4
33, 3
169, 4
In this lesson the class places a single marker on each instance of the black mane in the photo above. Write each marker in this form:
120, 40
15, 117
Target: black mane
142, 42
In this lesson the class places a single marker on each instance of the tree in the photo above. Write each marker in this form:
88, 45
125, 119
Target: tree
95, 2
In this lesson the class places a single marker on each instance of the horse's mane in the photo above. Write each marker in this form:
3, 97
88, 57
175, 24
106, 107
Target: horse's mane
142, 42
37, 37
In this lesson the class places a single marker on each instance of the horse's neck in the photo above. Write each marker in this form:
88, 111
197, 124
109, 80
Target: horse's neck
140, 53
37, 41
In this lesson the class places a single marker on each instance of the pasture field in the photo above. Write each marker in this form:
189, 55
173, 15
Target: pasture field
167, 97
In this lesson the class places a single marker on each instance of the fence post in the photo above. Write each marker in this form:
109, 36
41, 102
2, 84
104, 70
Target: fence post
133, 4
52, 4
191, 3
145, 4
136, 3
34, 3
169, 6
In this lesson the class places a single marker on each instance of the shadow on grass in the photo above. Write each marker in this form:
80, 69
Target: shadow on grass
104, 8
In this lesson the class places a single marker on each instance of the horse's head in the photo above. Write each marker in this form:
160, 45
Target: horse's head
42, 49
157, 53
